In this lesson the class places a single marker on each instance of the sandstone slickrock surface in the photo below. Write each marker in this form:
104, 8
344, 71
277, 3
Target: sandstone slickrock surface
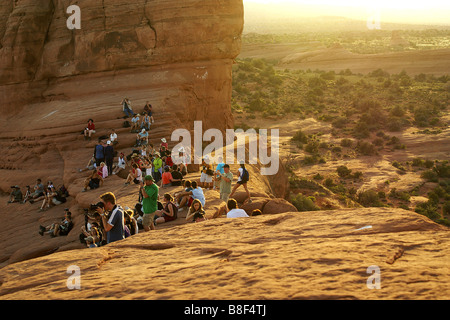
314, 255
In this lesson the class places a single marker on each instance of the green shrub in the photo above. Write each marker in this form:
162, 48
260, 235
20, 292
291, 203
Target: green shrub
300, 136
397, 111
318, 177
312, 146
347, 143
430, 176
340, 122
303, 203
429, 210
369, 198
446, 208
365, 148
343, 171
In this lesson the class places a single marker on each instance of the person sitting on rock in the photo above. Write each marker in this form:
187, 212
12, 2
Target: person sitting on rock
168, 159
233, 211
121, 164
163, 144
142, 138
90, 129
177, 176
148, 109
62, 228
183, 198
195, 193
135, 175
16, 195
103, 170
113, 137
38, 193
166, 178
135, 123
91, 165
94, 181
54, 197
28, 194
126, 108
196, 212
150, 150
168, 213
146, 122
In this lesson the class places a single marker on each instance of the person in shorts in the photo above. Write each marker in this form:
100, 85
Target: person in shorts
135, 175
149, 191
206, 177
225, 183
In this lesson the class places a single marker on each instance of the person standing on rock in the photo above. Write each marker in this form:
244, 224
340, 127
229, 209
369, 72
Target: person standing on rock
243, 175
225, 183
109, 157
149, 191
99, 154
113, 223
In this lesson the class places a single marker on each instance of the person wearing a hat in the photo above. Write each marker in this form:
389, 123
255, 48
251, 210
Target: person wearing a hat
149, 191
15, 195
109, 157
163, 144
142, 138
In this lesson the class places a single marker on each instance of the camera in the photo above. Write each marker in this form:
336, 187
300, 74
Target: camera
97, 205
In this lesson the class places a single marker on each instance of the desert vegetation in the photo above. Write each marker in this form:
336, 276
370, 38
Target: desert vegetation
367, 113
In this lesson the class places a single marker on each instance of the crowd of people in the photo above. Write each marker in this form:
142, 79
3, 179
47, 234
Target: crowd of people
48, 195
152, 169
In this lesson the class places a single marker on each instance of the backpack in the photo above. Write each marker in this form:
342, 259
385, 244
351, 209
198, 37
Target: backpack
245, 175
126, 124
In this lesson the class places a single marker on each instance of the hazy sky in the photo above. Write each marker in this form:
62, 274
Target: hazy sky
409, 11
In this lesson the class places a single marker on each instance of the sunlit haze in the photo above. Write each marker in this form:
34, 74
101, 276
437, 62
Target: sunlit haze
402, 11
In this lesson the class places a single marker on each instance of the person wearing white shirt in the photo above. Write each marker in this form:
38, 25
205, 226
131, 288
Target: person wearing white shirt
234, 212
113, 137
121, 164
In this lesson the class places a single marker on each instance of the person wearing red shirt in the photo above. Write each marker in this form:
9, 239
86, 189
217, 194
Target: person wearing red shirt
90, 129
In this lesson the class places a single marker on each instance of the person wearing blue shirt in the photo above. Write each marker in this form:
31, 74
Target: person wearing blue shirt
114, 223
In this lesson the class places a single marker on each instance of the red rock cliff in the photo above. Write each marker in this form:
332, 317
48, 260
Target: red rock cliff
185, 45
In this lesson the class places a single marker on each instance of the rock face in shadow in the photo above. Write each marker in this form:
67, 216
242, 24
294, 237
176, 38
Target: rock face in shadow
185, 46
